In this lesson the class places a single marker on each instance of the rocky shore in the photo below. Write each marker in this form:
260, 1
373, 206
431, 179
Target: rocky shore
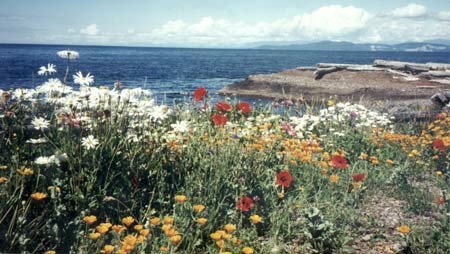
350, 82
384, 80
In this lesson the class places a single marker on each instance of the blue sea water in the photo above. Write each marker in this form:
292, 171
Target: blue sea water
172, 73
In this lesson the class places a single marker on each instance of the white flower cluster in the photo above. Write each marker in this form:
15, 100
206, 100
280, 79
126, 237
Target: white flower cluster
361, 116
358, 115
54, 159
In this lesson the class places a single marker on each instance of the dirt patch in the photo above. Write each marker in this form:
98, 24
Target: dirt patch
386, 214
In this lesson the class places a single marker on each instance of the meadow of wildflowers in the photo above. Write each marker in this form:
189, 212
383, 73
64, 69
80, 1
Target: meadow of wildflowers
94, 169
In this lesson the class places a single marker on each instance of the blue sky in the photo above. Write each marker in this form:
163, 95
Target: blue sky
220, 23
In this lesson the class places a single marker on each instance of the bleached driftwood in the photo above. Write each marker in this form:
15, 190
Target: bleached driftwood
349, 67
329, 65
403, 66
306, 68
441, 81
364, 68
319, 73
435, 74
438, 66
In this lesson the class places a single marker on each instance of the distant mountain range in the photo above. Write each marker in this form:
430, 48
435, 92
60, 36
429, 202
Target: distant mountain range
427, 46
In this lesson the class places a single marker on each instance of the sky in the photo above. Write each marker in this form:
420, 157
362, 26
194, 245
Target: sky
221, 23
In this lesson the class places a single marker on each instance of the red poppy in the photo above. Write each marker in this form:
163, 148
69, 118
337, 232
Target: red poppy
224, 106
284, 178
438, 144
339, 162
359, 177
245, 204
200, 93
244, 107
219, 119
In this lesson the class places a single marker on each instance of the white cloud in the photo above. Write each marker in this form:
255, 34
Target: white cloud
324, 23
333, 20
445, 15
410, 11
90, 30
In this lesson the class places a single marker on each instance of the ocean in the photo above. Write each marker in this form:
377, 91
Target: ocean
173, 73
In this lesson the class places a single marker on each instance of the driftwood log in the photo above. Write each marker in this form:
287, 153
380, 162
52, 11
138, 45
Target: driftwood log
319, 73
413, 68
435, 74
410, 71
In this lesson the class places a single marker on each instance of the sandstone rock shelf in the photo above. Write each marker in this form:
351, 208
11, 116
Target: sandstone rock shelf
391, 81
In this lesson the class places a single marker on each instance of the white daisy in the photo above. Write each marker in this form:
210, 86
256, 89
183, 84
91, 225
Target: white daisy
68, 54
52, 85
89, 142
23, 94
180, 126
159, 113
37, 141
50, 69
43, 160
40, 123
83, 81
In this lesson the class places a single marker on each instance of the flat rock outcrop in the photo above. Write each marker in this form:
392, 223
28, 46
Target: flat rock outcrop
384, 80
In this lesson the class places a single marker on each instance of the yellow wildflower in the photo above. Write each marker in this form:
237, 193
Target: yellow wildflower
202, 221
3, 179
138, 227
220, 244
25, 171
404, 229
128, 221
215, 236
164, 249
237, 241
171, 231
144, 232
334, 178
155, 221
118, 228
247, 250
3, 167
176, 239
107, 249
198, 208
255, 219
180, 198
140, 239
56, 188
230, 228
103, 228
90, 219
390, 162
364, 156
129, 240
50, 252
94, 236
168, 220
38, 196
221, 232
